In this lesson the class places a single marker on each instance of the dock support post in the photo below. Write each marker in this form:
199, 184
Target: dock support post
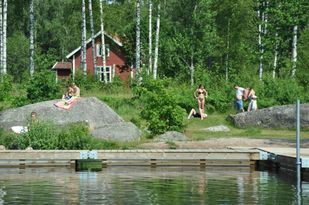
153, 162
298, 162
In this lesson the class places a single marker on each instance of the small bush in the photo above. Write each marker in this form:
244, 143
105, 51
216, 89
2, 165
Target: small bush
5, 87
160, 109
43, 87
9, 140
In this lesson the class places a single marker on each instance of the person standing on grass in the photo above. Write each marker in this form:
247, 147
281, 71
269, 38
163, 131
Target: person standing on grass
239, 95
200, 94
253, 98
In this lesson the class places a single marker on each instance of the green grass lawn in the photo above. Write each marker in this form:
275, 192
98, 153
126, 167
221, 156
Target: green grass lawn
123, 104
194, 126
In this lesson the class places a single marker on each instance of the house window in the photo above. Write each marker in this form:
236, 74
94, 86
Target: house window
99, 50
107, 73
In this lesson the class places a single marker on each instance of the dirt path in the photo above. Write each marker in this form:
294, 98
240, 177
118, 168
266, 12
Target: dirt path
223, 143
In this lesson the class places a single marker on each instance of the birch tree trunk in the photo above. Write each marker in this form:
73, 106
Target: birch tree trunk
138, 33
276, 56
31, 47
260, 45
103, 41
83, 46
5, 5
294, 51
1, 39
155, 66
150, 38
228, 50
92, 39
192, 69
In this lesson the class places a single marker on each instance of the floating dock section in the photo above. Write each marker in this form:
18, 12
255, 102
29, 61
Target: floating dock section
279, 159
190, 157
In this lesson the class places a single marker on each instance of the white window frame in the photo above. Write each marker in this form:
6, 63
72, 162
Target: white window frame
99, 48
108, 70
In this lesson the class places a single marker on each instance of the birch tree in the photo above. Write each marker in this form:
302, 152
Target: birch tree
1, 38
92, 38
138, 34
261, 48
4, 63
227, 51
155, 65
294, 50
149, 70
83, 44
31, 47
103, 40
276, 54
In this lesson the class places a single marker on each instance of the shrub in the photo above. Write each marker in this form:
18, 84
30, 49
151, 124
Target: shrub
40, 135
5, 87
43, 87
160, 109
9, 140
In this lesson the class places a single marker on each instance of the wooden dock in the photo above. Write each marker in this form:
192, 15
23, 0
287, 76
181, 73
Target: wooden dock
284, 160
189, 157
279, 159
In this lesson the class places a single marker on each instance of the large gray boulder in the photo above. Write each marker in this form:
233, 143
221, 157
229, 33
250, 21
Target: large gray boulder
103, 121
273, 117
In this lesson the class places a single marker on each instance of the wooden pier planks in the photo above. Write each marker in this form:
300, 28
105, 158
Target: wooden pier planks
158, 157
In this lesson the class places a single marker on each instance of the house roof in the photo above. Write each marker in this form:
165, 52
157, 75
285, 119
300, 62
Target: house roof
62, 66
115, 40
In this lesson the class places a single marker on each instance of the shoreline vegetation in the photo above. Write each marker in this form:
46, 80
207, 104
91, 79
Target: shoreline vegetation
128, 104
170, 48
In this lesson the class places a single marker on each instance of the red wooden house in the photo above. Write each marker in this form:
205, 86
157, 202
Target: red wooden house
115, 60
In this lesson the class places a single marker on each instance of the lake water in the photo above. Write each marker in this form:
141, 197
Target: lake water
146, 185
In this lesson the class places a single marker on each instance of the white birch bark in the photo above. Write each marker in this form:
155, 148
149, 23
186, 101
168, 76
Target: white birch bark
5, 5
83, 46
228, 50
138, 33
92, 38
294, 50
260, 46
31, 47
192, 69
149, 70
1, 39
103, 41
276, 56
155, 65
266, 18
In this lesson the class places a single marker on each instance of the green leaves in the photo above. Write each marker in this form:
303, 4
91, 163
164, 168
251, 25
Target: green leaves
160, 108
43, 87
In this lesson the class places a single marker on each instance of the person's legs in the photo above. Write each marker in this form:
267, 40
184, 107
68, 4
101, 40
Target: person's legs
250, 106
239, 106
192, 112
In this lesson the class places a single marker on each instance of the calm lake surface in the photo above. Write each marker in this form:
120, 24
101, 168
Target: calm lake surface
145, 185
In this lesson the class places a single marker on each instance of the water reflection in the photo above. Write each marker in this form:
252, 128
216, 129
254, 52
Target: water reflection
146, 185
